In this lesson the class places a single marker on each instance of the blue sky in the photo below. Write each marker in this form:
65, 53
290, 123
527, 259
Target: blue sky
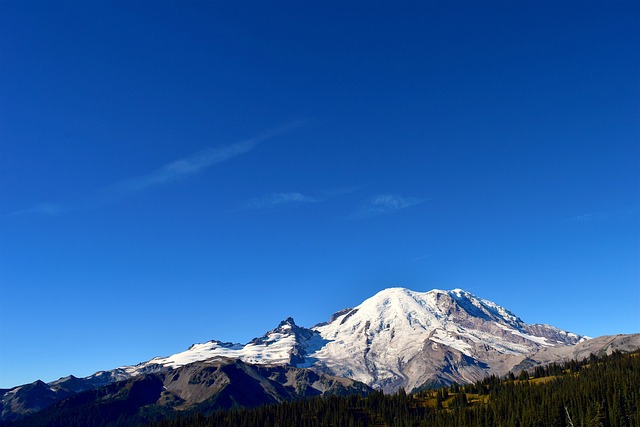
178, 172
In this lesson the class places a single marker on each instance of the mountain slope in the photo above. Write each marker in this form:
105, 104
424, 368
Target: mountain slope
288, 344
199, 386
400, 338
397, 338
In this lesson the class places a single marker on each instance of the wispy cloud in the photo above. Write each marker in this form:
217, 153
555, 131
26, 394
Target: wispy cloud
274, 200
185, 167
382, 204
591, 217
584, 217
392, 202
285, 199
387, 203
196, 162
171, 172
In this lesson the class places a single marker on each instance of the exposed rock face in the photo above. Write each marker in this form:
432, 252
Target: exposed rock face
606, 344
225, 383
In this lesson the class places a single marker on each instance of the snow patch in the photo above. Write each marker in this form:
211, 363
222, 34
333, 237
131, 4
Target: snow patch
450, 340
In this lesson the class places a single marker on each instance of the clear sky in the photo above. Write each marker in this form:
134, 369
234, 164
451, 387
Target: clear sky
178, 172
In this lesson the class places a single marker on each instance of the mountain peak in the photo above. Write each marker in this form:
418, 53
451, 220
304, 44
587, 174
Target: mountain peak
396, 330
396, 338
393, 291
287, 322
398, 291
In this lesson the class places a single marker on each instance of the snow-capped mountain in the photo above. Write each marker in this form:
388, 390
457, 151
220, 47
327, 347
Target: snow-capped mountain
397, 338
400, 338
288, 344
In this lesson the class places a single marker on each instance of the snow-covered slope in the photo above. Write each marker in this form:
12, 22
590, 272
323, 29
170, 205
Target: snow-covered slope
397, 338
401, 338
288, 344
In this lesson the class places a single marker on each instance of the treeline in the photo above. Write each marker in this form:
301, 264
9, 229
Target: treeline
595, 392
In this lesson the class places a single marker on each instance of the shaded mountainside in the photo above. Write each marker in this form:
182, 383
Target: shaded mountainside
30, 398
202, 386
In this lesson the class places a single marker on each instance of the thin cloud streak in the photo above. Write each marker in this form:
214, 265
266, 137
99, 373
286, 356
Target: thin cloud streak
278, 199
197, 162
383, 204
185, 167
171, 172
273, 200
391, 202
590, 217
387, 203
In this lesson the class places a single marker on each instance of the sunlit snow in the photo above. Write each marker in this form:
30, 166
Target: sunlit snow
374, 341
